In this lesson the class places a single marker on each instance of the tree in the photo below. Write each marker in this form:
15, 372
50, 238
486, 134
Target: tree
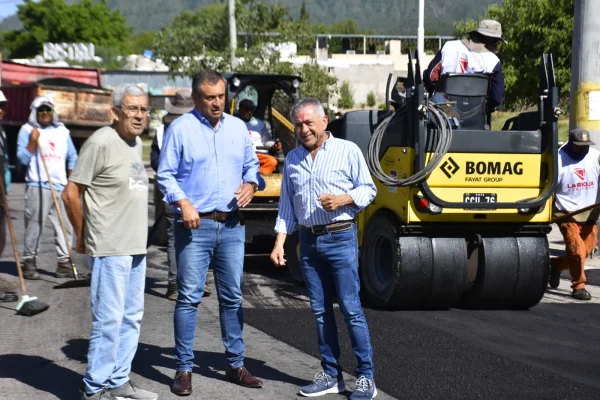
346, 96
55, 21
200, 39
531, 28
304, 16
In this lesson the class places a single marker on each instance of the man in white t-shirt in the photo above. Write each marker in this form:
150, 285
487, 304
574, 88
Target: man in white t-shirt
43, 126
579, 169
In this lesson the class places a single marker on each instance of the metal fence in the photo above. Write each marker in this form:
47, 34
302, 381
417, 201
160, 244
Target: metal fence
344, 43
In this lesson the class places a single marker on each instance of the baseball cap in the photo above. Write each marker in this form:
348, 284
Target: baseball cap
580, 137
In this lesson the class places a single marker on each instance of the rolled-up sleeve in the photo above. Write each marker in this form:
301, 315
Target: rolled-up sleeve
251, 171
286, 218
364, 188
170, 157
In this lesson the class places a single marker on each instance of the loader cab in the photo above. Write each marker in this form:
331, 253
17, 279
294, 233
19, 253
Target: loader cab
273, 95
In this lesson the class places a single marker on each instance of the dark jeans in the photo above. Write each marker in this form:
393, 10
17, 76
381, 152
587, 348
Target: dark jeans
327, 260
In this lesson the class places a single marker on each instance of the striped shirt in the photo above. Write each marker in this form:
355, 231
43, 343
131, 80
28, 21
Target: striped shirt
338, 168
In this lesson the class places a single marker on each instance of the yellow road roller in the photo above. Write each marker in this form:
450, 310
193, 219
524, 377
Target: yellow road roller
462, 213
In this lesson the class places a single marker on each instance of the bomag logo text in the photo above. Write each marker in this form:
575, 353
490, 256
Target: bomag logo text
493, 168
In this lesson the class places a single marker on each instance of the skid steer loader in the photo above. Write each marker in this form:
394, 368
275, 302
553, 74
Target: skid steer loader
461, 215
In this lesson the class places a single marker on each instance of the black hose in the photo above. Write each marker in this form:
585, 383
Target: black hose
443, 139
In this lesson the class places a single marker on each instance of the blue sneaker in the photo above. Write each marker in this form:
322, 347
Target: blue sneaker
323, 384
365, 389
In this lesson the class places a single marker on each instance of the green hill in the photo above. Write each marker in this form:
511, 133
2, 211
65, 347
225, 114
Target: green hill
394, 17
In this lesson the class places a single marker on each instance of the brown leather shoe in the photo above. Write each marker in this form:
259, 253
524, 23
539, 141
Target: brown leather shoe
182, 384
242, 377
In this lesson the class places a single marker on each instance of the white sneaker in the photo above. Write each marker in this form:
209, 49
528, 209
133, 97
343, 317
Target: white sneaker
129, 390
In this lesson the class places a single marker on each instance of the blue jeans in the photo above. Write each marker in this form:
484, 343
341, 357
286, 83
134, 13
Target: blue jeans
327, 260
220, 245
117, 299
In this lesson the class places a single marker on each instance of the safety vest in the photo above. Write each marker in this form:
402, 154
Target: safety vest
577, 181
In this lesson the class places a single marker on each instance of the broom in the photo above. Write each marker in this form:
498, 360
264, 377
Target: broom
76, 282
28, 306
573, 213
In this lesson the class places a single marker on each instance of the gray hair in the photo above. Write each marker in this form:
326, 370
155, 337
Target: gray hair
124, 90
305, 102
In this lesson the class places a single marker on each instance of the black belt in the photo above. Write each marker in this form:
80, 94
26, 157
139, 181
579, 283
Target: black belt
331, 228
218, 215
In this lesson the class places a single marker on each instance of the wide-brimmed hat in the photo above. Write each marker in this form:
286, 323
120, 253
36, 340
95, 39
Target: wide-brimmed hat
183, 102
490, 28
580, 137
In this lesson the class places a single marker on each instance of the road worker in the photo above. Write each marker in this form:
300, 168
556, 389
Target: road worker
579, 169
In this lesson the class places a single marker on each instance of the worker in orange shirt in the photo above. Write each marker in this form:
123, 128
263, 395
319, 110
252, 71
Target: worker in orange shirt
260, 135
578, 173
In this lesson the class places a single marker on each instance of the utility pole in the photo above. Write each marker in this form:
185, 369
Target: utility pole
232, 34
421, 34
585, 70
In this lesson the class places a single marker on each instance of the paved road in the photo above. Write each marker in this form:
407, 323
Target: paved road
549, 352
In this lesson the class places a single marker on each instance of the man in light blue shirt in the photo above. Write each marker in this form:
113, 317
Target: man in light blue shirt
325, 183
207, 171
43, 127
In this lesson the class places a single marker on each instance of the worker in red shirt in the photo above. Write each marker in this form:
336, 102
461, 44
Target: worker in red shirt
578, 173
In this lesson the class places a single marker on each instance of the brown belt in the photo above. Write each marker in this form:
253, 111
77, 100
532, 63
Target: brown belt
331, 228
218, 215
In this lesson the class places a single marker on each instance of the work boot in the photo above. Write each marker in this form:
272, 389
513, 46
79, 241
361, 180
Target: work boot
581, 294
65, 270
171, 291
8, 291
207, 291
554, 277
30, 270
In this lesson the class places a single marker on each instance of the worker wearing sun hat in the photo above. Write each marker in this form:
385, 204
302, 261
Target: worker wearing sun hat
475, 54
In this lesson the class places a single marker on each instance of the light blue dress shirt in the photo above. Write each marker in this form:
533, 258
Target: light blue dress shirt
205, 165
338, 168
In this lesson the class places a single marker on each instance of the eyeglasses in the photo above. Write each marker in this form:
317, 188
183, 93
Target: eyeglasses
133, 110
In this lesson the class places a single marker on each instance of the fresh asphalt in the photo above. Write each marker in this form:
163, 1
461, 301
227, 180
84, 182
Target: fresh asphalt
548, 352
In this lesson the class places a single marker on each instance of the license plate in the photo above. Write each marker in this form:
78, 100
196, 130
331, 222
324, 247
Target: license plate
480, 198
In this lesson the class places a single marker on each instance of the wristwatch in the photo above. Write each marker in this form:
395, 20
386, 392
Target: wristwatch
254, 185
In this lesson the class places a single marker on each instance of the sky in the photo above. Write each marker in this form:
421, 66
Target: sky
8, 7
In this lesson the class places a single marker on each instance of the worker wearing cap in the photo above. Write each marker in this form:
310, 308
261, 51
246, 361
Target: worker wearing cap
260, 136
58, 149
579, 169
182, 104
475, 54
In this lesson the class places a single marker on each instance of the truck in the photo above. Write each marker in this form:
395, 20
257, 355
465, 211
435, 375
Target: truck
80, 101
